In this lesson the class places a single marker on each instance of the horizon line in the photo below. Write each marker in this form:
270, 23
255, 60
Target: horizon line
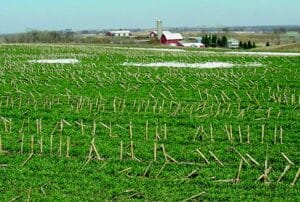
169, 27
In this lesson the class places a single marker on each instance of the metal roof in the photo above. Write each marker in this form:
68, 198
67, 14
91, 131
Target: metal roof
120, 32
172, 36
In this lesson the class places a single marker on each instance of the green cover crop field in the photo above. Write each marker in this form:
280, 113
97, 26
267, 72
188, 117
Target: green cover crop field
141, 125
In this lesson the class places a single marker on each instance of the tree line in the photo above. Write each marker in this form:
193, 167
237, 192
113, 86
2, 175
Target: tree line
72, 37
40, 37
61, 37
222, 42
214, 41
247, 45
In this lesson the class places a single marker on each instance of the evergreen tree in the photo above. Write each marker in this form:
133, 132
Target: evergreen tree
205, 40
249, 45
245, 46
214, 40
241, 44
253, 45
209, 40
224, 42
267, 44
219, 42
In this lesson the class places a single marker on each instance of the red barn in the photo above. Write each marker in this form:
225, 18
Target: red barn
171, 38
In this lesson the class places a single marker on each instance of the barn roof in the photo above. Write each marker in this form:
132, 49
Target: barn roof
172, 36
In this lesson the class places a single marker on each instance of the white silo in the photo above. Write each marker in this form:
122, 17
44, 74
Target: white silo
159, 29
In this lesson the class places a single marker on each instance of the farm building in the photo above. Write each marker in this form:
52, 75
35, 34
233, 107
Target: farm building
192, 45
166, 37
120, 33
233, 43
153, 34
290, 37
195, 39
171, 38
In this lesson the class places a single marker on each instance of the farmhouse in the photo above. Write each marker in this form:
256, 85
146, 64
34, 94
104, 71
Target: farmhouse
153, 34
290, 37
233, 43
171, 38
124, 33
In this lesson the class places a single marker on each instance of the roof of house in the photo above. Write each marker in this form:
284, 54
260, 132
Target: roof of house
233, 40
120, 32
197, 44
164, 32
172, 36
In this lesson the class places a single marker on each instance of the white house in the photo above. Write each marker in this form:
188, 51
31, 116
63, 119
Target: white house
233, 43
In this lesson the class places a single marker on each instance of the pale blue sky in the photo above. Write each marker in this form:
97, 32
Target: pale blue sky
21, 15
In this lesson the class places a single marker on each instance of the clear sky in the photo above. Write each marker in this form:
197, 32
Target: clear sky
22, 15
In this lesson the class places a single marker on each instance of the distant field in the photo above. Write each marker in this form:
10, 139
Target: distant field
258, 38
288, 47
117, 125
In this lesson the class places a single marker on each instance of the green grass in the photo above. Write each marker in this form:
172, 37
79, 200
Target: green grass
101, 93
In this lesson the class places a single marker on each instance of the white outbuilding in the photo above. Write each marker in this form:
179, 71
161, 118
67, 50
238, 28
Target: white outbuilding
233, 43
192, 45
121, 33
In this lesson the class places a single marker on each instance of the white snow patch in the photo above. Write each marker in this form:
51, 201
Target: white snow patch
210, 52
55, 61
263, 53
206, 65
152, 49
